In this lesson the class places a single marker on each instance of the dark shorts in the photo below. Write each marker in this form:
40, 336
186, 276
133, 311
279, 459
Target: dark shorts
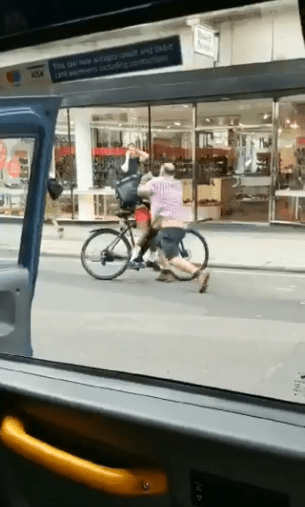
168, 240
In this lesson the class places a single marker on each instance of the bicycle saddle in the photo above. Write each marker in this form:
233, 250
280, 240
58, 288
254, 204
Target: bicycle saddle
124, 213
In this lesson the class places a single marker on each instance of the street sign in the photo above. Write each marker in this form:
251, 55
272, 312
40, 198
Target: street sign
204, 41
13, 168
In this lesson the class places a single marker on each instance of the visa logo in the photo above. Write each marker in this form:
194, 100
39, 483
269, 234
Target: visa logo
14, 77
37, 73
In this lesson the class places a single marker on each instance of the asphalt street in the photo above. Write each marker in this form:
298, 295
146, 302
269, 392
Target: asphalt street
236, 336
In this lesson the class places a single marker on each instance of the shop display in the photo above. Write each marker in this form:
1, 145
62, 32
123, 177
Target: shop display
24, 162
248, 197
205, 202
65, 164
263, 163
290, 185
107, 171
211, 167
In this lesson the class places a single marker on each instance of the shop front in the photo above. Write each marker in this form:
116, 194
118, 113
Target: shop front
226, 107
222, 152
238, 160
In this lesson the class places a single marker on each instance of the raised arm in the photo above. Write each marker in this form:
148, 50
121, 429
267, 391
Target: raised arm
145, 189
142, 154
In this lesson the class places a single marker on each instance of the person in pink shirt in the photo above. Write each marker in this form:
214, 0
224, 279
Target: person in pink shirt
168, 216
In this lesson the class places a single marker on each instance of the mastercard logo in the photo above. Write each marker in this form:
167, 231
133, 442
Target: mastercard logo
14, 77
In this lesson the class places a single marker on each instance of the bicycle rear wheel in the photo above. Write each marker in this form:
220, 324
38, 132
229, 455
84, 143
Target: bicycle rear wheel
105, 254
193, 248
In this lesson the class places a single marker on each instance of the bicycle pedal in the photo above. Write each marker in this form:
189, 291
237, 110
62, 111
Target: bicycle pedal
136, 266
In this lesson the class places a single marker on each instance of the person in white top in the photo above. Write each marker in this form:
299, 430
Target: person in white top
133, 157
168, 215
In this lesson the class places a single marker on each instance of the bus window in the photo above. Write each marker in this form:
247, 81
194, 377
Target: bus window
201, 98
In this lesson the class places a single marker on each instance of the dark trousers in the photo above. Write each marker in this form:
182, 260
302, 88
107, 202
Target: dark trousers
147, 241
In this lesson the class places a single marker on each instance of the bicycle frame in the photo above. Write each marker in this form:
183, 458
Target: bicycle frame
127, 227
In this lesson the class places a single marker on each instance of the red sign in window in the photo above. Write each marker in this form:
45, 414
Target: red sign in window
13, 168
3, 154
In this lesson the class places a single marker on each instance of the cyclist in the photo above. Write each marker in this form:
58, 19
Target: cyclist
168, 215
143, 219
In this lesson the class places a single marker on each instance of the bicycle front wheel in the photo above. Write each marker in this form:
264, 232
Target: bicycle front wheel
105, 254
192, 248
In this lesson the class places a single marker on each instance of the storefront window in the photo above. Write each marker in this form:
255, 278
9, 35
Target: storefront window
290, 188
221, 150
112, 130
233, 160
64, 164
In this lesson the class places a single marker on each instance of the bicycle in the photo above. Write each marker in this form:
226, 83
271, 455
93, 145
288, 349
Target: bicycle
117, 252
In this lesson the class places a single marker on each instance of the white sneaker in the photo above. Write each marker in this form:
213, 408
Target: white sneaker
135, 253
152, 257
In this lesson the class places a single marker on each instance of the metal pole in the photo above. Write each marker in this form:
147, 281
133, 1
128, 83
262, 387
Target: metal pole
274, 158
70, 160
194, 182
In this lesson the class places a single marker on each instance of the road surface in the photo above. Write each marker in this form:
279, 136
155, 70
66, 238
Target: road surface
237, 336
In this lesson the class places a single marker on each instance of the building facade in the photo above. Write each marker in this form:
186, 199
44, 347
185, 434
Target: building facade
221, 94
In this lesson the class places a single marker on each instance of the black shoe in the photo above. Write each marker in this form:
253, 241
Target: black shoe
135, 264
154, 265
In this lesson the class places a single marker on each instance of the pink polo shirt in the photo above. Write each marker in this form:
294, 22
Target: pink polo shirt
167, 198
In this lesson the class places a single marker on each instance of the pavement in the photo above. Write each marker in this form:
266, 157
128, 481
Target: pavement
258, 247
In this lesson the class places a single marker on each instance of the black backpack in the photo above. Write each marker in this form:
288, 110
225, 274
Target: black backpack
55, 189
126, 191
